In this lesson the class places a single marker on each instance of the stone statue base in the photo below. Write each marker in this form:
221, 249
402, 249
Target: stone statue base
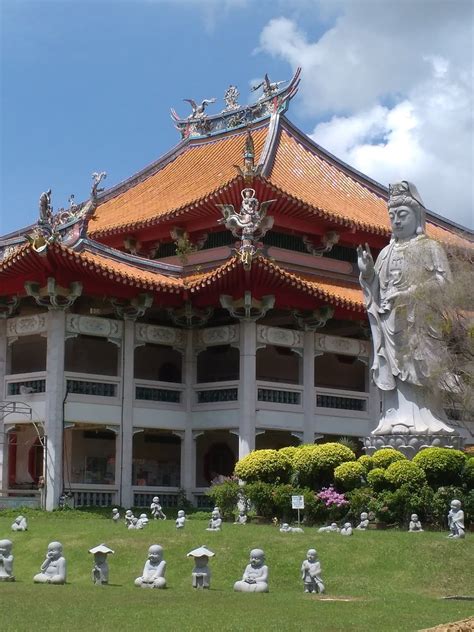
409, 444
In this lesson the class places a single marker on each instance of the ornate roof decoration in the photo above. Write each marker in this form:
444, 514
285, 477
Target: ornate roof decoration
328, 240
273, 100
248, 224
189, 316
63, 225
247, 307
250, 170
316, 319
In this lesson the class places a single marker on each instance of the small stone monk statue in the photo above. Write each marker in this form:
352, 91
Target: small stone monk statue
20, 524
456, 520
6, 561
215, 522
332, 528
181, 519
241, 518
364, 521
311, 573
347, 529
156, 510
415, 524
154, 569
53, 569
115, 515
100, 571
201, 573
255, 577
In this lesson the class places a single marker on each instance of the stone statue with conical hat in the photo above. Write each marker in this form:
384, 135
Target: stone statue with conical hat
406, 349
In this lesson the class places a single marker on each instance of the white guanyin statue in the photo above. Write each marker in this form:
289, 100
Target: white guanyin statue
406, 348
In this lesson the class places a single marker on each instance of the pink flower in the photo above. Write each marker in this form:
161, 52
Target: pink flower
330, 497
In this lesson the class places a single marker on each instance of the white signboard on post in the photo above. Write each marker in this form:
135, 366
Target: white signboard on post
297, 502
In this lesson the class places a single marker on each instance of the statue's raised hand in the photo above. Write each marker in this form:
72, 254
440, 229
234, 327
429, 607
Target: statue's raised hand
365, 261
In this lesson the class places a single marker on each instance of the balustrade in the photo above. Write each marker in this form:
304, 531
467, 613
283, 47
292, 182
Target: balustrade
342, 400
93, 498
167, 500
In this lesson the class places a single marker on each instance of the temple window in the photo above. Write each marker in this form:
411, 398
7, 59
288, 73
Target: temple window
91, 354
158, 363
28, 355
278, 364
340, 372
218, 364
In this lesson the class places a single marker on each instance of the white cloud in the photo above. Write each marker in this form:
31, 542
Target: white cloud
393, 84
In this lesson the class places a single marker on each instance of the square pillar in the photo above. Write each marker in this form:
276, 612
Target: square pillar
3, 436
188, 444
124, 445
309, 394
54, 406
247, 386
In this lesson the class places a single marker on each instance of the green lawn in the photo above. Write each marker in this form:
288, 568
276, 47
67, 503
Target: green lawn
393, 580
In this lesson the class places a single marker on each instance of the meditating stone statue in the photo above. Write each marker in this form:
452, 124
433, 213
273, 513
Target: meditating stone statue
415, 524
6, 561
241, 518
285, 528
115, 515
53, 569
135, 523
364, 521
456, 520
311, 573
181, 519
156, 510
100, 570
215, 522
20, 524
255, 577
347, 529
154, 569
143, 520
128, 517
201, 574
332, 528
406, 347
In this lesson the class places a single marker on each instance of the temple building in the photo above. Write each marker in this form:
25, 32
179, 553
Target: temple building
207, 306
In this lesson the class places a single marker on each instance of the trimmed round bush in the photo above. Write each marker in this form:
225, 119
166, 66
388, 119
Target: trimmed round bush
405, 473
376, 478
367, 462
290, 452
442, 466
316, 463
268, 466
467, 475
349, 475
386, 456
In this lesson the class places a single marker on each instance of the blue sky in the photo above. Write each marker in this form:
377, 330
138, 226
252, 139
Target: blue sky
87, 86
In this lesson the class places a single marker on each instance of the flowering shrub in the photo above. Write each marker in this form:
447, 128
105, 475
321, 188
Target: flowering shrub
386, 456
405, 473
442, 466
349, 475
330, 496
268, 466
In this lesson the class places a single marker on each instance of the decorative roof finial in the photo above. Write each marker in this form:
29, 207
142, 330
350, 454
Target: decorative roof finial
249, 170
45, 208
198, 111
231, 99
269, 87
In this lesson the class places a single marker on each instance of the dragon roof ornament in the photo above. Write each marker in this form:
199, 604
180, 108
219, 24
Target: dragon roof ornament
274, 99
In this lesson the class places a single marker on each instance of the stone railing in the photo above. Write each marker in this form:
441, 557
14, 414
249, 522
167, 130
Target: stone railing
25, 384
165, 392
92, 385
168, 499
217, 392
271, 394
342, 400
94, 497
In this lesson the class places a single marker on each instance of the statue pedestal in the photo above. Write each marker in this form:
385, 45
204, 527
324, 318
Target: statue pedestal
410, 444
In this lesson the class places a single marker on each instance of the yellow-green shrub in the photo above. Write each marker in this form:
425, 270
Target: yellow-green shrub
349, 475
269, 466
442, 466
315, 464
386, 456
405, 473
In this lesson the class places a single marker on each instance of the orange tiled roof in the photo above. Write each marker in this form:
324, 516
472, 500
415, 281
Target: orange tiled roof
343, 293
310, 178
196, 172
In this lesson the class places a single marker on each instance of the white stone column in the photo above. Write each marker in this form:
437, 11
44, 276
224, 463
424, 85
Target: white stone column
247, 386
124, 445
3, 436
309, 394
188, 444
54, 408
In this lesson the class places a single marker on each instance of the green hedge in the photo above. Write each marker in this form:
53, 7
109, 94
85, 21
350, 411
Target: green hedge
376, 479
467, 474
405, 473
386, 456
349, 475
268, 466
315, 464
442, 466
367, 462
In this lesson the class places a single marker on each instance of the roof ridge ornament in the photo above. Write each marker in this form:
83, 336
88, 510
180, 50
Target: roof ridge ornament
248, 224
274, 100
249, 171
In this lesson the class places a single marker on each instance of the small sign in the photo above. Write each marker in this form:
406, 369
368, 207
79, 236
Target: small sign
297, 502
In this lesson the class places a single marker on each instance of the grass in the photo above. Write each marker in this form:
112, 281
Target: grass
393, 580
